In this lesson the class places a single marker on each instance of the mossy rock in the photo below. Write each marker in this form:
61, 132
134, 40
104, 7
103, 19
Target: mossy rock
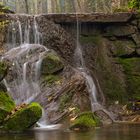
3, 70
85, 121
65, 100
6, 105
51, 64
90, 39
121, 48
113, 88
132, 71
51, 79
24, 118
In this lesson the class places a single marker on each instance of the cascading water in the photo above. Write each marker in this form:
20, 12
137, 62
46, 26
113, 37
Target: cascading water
24, 87
80, 65
26, 54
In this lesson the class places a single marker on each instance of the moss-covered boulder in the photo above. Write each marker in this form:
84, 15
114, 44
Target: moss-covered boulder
3, 70
85, 121
24, 118
51, 64
6, 105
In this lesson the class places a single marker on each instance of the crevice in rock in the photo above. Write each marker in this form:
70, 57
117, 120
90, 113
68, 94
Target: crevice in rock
132, 55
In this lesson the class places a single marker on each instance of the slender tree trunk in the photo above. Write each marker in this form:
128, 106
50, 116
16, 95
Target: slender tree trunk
26, 6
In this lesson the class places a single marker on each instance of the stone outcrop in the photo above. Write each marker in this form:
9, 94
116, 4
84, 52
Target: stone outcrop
63, 91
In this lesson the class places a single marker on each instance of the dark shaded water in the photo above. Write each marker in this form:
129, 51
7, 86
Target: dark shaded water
115, 132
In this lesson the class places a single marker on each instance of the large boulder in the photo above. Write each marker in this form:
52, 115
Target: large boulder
24, 118
6, 105
85, 121
51, 64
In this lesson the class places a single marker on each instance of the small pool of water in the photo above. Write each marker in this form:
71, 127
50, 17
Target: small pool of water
114, 132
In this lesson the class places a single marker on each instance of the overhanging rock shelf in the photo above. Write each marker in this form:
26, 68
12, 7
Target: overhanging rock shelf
89, 17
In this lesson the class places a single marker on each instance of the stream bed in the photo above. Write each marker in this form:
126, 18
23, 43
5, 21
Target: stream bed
112, 132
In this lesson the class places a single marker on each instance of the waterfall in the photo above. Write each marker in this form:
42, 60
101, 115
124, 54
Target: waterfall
22, 52
80, 65
25, 52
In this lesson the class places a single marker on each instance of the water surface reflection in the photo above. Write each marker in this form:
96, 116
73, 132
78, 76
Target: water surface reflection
115, 132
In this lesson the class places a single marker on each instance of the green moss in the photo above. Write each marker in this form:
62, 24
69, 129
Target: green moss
6, 105
51, 79
113, 89
132, 71
51, 64
90, 39
3, 70
65, 100
123, 47
134, 4
24, 118
110, 83
85, 121
122, 9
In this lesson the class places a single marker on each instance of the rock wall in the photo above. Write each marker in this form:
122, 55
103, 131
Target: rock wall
112, 53
111, 49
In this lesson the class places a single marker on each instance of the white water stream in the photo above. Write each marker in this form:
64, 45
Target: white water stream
26, 54
80, 65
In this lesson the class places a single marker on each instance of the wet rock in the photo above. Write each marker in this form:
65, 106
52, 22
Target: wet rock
136, 38
3, 70
120, 30
56, 38
24, 118
51, 64
6, 105
104, 117
138, 51
131, 68
3, 87
85, 121
63, 91
138, 24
